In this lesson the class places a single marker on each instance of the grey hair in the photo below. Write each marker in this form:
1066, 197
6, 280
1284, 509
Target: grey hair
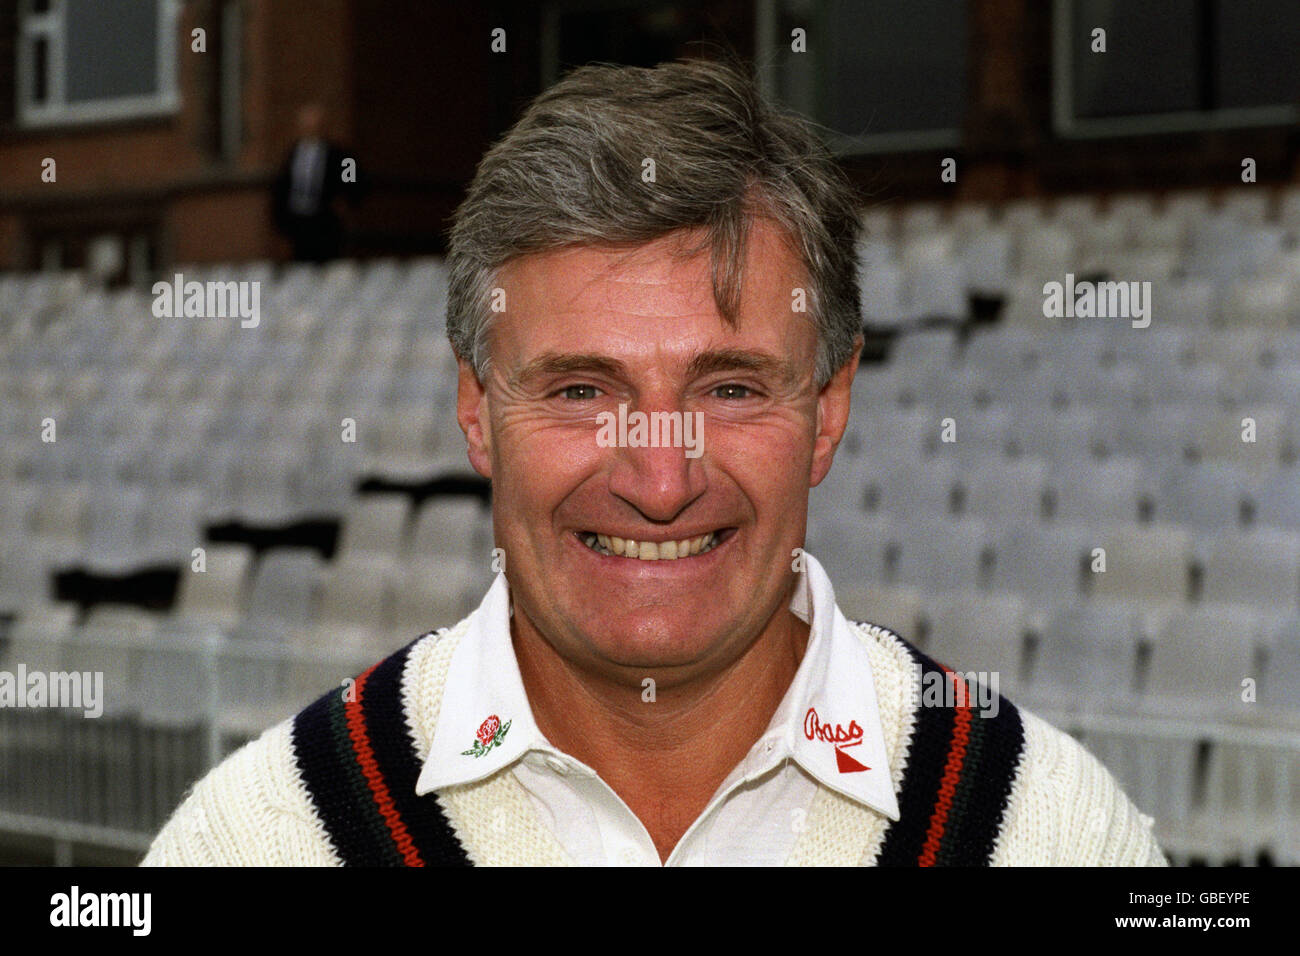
569, 173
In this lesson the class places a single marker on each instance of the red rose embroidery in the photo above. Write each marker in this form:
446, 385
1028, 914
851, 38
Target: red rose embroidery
488, 729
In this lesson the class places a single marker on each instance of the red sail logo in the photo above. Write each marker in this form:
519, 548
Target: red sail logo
837, 735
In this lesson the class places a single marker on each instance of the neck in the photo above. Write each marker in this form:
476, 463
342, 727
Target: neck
668, 757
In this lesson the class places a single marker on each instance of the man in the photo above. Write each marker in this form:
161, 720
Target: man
307, 188
660, 674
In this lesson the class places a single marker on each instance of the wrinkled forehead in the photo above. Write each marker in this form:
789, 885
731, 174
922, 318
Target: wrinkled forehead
652, 293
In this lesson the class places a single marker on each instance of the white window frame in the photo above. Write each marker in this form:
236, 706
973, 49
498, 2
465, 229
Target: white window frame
52, 25
1069, 126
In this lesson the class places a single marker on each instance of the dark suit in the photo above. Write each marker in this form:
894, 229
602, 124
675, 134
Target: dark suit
303, 198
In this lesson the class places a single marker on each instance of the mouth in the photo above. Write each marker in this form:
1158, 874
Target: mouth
635, 550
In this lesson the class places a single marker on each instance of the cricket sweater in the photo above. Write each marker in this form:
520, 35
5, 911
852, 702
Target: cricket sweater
336, 785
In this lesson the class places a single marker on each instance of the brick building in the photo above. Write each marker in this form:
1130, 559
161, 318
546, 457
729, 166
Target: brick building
170, 152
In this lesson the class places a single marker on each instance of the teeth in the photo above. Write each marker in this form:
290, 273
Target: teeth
650, 550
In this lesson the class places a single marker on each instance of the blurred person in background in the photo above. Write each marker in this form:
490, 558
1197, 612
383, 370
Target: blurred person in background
306, 193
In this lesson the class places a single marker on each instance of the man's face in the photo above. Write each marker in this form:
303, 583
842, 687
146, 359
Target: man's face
585, 330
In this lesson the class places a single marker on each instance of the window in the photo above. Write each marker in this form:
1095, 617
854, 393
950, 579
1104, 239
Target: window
887, 75
1174, 65
88, 60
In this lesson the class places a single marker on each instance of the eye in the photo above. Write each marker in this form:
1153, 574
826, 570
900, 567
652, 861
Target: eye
579, 393
732, 390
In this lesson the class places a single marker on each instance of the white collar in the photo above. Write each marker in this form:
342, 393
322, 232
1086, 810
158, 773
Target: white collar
832, 697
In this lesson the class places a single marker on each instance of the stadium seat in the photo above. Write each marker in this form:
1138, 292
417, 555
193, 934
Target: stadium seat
981, 632
1199, 661
1086, 658
1207, 496
1259, 569
216, 596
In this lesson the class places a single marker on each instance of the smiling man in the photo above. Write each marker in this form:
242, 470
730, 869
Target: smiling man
660, 674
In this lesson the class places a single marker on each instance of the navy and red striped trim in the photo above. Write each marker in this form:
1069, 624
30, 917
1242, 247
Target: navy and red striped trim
359, 763
960, 769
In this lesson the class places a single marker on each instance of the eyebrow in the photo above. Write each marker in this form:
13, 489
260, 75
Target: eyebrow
562, 363
739, 360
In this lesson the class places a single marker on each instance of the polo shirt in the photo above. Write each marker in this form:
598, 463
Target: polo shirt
757, 811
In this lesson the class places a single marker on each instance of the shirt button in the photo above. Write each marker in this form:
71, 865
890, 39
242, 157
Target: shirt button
629, 856
558, 766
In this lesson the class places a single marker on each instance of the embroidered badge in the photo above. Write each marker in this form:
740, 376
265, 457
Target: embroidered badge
490, 733
837, 735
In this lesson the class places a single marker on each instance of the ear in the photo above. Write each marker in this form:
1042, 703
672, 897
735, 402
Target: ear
472, 414
833, 415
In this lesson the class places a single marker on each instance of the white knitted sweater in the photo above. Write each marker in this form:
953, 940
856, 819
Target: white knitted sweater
1063, 807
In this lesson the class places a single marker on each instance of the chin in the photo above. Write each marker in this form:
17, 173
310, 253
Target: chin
670, 639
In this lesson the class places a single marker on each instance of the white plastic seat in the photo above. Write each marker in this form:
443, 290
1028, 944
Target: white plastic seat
284, 593
911, 488
1277, 694
117, 523
1199, 660
881, 292
1259, 569
58, 522
1110, 490
1191, 303
979, 435
1248, 205
430, 595
986, 256
1207, 496
1149, 563
451, 527
1163, 434
1005, 489
376, 526
1045, 252
217, 595
1277, 499
1043, 563
925, 348
1057, 436
355, 604
39, 635
1086, 658
1222, 437
1266, 303
939, 555
980, 632
901, 435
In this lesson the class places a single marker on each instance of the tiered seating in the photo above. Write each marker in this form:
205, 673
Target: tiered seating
168, 428
1070, 436
1086, 434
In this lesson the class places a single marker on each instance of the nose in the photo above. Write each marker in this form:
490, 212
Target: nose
651, 470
